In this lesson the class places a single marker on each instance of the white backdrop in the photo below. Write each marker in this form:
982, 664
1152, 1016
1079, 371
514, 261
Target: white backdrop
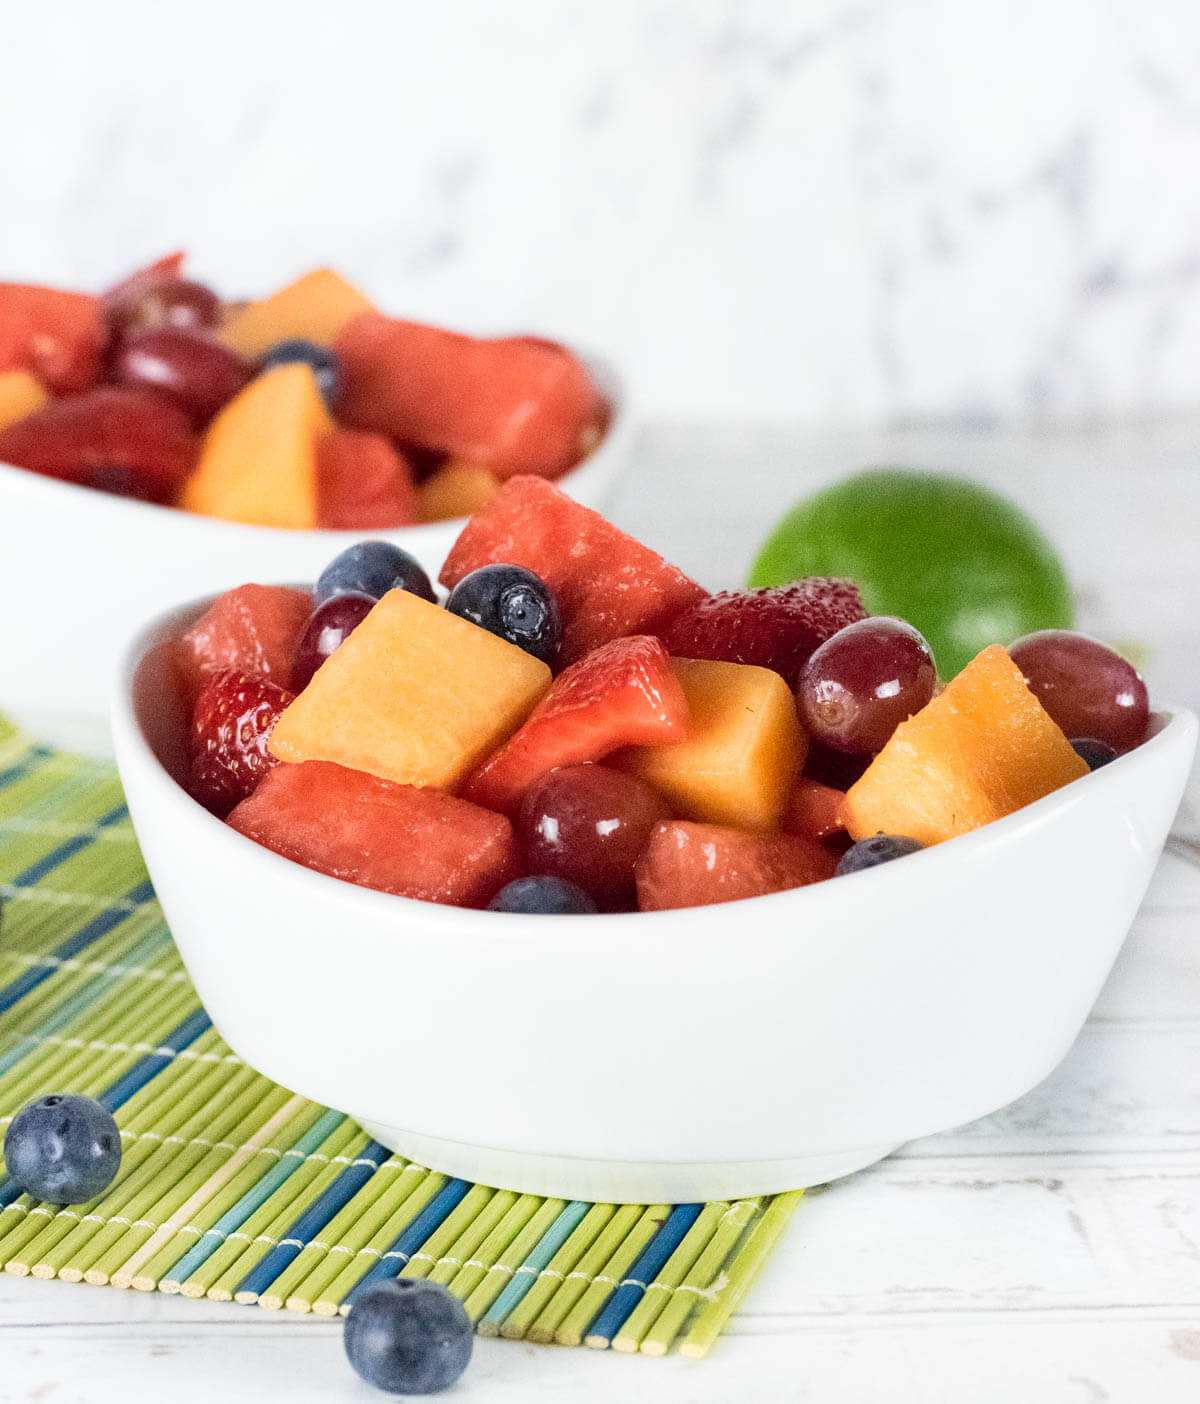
777, 210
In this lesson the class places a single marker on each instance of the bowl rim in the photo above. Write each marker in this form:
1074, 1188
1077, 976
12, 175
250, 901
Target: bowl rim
158, 514
1176, 725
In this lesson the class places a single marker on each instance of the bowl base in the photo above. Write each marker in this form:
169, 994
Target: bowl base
623, 1181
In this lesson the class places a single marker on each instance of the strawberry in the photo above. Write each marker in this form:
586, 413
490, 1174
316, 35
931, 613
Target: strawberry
777, 628
232, 720
694, 865
363, 483
122, 440
623, 694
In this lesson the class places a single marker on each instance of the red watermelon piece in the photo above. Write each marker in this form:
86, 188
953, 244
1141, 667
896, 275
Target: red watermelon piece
253, 629
57, 335
395, 838
695, 865
363, 483
516, 404
114, 438
623, 694
814, 811
607, 584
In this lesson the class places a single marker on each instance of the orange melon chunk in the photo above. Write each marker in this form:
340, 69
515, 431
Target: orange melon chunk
743, 751
315, 307
983, 749
457, 489
20, 395
415, 695
258, 462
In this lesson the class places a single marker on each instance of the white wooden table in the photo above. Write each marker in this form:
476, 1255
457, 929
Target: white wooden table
1049, 1253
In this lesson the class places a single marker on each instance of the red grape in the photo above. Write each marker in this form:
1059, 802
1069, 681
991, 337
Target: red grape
589, 825
1087, 687
863, 682
328, 625
199, 374
170, 302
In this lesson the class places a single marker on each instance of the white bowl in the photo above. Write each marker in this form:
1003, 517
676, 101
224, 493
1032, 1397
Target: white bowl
720, 1051
87, 566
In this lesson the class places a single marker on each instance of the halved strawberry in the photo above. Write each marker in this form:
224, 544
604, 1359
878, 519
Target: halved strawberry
694, 865
395, 838
623, 694
778, 627
232, 720
254, 629
363, 483
57, 335
814, 811
607, 584
115, 439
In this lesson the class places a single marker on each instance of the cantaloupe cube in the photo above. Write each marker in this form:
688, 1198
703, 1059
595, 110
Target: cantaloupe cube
743, 751
415, 695
457, 489
258, 462
21, 393
983, 749
315, 307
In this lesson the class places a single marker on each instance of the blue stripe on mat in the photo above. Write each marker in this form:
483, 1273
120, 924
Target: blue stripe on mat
411, 1239
619, 1307
313, 1220
527, 1274
32, 758
99, 926
76, 844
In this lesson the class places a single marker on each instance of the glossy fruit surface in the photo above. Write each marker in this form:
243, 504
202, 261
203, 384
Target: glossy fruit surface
329, 624
870, 852
959, 562
254, 629
231, 724
199, 374
859, 685
1094, 753
1087, 687
326, 368
589, 825
373, 568
153, 302
514, 604
63, 1149
542, 895
775, 628
409, 1336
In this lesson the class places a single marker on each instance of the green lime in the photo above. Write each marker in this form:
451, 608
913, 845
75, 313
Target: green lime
961, 563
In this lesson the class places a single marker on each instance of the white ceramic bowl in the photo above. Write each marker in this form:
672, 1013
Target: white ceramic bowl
86, 567
690, 1055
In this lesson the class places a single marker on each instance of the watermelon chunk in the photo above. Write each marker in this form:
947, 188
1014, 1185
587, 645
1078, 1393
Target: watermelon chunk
814, 811
363, 484
695, 865
395, 838
254, 629
515, 404
59, 336
624, 694
607, 584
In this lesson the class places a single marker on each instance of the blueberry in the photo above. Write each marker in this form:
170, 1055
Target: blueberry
408, 1336
373, 568
542, 896
1095, 753
512, 602
326, 368
65, 1150
870, 852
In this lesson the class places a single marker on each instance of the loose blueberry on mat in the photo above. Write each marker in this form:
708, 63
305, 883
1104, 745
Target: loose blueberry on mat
1095, 753
327, 371
409, 1336
542, 896
63, 1149
512, 602
870, 852
373, 568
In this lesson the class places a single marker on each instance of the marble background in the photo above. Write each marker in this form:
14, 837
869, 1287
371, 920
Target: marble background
775, 210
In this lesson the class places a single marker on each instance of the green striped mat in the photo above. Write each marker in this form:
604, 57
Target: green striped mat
231, 1187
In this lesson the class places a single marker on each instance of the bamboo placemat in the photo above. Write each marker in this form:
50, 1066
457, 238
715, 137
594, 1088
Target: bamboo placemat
235, 1189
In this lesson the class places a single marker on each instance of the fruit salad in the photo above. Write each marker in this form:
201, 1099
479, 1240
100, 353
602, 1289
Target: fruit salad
307, 408
579, 727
